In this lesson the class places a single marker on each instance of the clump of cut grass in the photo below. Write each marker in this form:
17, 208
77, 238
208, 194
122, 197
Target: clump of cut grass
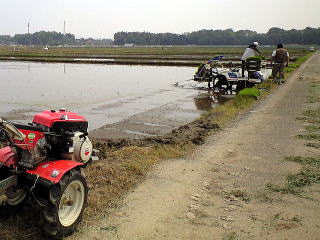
230, 236
312, 144
311, 116
263, 196
313, 128
309, 137
309, 174
244, 196
312, 113
309, 120
281, 222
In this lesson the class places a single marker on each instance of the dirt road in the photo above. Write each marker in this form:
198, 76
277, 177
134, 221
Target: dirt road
220, 191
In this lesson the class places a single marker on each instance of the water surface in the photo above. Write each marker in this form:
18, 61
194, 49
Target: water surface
104, 94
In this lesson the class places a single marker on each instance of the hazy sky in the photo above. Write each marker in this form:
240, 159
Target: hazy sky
102, 18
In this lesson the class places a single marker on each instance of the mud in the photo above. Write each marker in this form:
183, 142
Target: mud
194, 132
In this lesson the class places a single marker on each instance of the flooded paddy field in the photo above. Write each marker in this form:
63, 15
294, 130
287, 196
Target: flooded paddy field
117, 100
138, 55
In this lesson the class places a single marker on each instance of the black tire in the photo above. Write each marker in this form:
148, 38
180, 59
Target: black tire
54, 223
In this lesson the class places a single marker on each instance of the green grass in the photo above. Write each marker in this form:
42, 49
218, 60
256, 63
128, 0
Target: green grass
312, 144
311, 116
310, 137
309, 174
250, 92
299, 61
313, 128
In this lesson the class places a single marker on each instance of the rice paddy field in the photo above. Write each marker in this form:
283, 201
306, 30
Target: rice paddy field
148, 55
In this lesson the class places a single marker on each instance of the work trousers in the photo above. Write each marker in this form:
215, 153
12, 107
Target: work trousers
243, 66
278, 68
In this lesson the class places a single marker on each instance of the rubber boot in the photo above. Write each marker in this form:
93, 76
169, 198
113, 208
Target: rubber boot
275, 80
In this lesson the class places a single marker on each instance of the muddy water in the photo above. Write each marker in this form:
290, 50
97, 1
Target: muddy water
104, 94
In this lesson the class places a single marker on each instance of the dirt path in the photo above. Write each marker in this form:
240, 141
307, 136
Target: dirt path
220, 191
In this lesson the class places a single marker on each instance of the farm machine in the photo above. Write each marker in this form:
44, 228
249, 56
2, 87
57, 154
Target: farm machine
216, 76
43, 161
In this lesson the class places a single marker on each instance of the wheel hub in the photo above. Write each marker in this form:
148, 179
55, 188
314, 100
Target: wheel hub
71, 203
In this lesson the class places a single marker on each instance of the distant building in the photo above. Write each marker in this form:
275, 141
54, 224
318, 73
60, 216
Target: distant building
129, 44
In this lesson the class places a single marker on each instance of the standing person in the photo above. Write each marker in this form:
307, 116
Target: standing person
280, 58
250, 51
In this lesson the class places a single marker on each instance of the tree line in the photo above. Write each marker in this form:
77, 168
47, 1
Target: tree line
39, 38
51, 39
307, 36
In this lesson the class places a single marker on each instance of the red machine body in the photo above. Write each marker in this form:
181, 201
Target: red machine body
7, 157
51, 134
32, 137
53, 170
43, 160
49, 118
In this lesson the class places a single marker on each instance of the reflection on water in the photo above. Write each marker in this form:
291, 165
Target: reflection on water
210, 99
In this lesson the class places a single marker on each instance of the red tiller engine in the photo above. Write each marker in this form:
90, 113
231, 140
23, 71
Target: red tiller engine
44, 160
54, 135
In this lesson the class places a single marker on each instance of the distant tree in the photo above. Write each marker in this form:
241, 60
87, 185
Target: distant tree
5, 39
274, 36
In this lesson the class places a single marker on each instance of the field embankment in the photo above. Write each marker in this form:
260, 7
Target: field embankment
159, 56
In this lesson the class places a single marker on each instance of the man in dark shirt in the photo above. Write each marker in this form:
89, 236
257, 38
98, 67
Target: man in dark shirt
280, 58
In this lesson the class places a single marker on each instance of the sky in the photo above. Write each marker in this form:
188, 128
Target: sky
103, 18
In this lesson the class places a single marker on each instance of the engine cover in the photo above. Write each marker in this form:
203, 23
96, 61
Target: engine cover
60, 121
81, 149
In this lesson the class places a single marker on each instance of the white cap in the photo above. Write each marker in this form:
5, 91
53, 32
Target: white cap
256, 43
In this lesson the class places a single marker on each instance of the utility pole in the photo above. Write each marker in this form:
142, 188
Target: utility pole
29, 34
64, 33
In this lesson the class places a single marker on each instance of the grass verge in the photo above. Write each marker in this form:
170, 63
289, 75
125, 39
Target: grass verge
310, 172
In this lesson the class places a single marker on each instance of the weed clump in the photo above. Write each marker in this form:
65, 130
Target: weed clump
309, 174
312, 144
310, 137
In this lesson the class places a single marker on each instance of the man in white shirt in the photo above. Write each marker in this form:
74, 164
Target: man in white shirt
250, 51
